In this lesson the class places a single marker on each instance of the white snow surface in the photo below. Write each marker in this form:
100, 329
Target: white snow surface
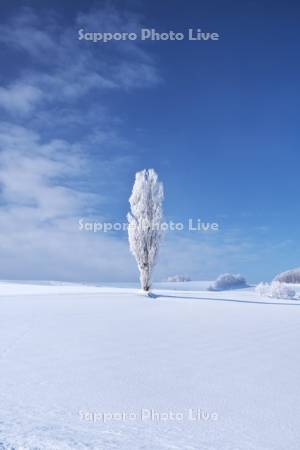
67, 351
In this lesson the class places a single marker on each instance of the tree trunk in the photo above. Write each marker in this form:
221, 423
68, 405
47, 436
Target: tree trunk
145, 278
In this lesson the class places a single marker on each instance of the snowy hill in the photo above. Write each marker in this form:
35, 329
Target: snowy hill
104, 368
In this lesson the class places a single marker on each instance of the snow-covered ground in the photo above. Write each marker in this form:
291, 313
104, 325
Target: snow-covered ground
71, 353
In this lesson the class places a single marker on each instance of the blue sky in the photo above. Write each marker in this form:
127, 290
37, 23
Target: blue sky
217, 120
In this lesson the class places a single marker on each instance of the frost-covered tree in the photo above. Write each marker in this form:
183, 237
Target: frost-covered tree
290, 276
228, 281
144, 223
275, 290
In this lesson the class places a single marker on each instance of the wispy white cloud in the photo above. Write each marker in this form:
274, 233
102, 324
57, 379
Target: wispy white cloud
30, 32
35, 174
20, 97
67, 68
41, 203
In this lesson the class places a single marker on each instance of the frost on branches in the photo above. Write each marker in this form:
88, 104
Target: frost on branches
144, 223
178, 279
228, 281
290, 276
275, 290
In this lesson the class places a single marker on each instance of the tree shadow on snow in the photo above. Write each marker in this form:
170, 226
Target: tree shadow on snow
178, 297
